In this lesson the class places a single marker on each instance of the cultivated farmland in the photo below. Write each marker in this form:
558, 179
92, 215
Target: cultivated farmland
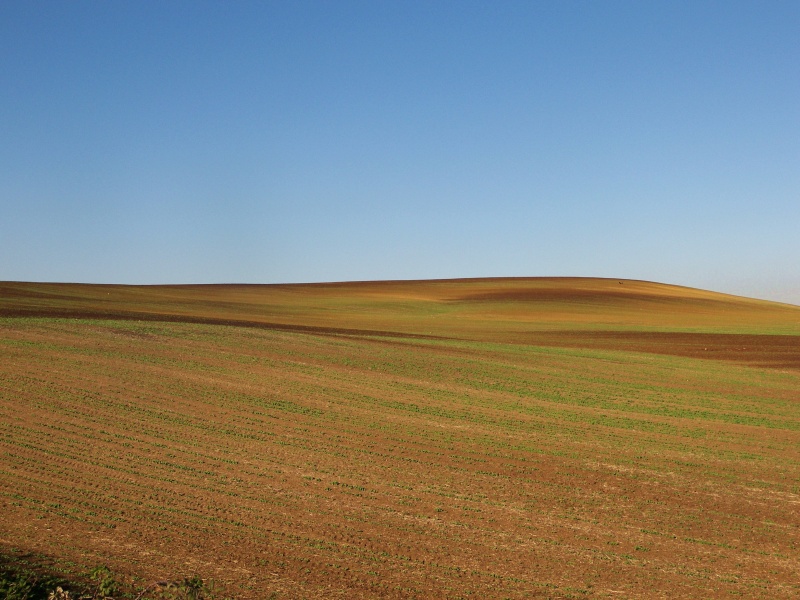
497, 438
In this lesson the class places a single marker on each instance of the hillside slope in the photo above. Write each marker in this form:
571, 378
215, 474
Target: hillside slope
543, 438
569, 312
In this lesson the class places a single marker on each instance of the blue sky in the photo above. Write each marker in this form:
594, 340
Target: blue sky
262, 142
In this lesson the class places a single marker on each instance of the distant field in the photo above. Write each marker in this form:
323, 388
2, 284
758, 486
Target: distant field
498, 438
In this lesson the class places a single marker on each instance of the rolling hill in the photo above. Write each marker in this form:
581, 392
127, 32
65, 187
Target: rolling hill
492, 438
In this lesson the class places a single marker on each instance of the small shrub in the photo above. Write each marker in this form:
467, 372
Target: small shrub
105, 586
23, 583
17, 586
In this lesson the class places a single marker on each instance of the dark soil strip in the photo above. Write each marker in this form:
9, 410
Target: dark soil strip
772, 351
168, 318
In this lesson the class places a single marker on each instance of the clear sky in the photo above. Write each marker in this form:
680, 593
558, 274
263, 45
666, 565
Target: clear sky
264, 142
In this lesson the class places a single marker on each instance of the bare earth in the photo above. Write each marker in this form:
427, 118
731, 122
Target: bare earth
499, 438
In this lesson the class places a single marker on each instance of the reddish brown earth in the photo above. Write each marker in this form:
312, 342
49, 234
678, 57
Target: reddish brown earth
771, 351
454, 439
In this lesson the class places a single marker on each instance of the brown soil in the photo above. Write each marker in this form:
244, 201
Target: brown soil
772, 351
317, 455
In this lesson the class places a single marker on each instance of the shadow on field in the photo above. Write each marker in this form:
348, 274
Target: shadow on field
29, 576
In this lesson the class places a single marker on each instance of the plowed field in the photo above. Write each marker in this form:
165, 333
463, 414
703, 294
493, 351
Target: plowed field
511, 438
